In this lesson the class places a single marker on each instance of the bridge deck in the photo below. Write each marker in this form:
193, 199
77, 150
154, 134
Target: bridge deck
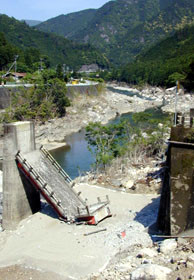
56, 186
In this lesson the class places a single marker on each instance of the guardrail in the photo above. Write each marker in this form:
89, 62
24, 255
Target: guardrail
55, 164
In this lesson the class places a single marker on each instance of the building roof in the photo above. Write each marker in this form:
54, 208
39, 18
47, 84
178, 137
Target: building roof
15, 74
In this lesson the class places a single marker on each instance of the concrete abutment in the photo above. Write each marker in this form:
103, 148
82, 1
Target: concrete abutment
20, 198
176, 212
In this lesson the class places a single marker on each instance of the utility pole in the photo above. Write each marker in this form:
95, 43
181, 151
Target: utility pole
176, 99
15, 62
41, 65
64, 68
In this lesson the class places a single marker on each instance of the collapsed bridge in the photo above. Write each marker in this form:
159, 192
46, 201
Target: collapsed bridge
29, 172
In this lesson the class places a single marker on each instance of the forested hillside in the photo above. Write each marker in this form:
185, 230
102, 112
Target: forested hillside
7, 51
170, 60
121, 29
67, 25
28, 60
56, 48
167, 22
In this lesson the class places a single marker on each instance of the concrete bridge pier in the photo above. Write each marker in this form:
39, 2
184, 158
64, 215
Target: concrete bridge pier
176, 212
20, 198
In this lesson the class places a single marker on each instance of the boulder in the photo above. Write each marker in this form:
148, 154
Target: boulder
167, 246
147, 252
129, 184
116, 183
150, 272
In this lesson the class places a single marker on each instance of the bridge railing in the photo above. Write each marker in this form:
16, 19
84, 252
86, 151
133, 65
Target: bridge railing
56, 165
62, 172
40, 184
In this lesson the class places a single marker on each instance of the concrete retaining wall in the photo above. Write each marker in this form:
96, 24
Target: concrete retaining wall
82, 89
4, 97
5, 92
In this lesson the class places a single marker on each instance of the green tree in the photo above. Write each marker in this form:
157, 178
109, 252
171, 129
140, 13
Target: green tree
41, 102
189, 79
58, 89
7, 51
115, 140
109, 141
59, 72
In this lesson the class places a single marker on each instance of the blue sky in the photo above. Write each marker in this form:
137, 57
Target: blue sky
45, 9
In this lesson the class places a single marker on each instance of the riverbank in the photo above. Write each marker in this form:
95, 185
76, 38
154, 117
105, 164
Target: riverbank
108, 105
43, 247
85, 109
104, 107
185, 100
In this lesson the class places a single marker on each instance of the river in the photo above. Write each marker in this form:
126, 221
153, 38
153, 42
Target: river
76, 159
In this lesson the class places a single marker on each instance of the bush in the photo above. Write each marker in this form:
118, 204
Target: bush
40, 102
115, 140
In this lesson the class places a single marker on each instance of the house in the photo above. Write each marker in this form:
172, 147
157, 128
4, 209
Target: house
15, 75
92, 68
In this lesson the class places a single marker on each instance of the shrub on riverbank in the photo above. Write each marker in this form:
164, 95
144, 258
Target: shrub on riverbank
43, 101
145, 138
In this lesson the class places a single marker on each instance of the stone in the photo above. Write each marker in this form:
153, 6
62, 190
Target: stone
171, 89
147, 252
191, 258
150, 272
146, 261
129, 184
182, 241
116, 183
189, 264
167, 246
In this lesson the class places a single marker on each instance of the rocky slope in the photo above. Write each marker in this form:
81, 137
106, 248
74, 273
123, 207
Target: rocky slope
171, 259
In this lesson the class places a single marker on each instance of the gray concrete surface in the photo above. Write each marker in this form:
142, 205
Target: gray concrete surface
19, 200
47, 244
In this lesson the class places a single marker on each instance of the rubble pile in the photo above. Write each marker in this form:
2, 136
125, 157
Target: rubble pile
170, 259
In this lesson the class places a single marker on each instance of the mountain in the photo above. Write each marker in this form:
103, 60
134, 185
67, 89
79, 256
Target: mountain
167, 22
67, 25
57, 48
32, 22
166, 62
121, 29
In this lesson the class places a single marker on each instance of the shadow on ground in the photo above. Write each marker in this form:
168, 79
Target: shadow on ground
148, 215
48, 210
